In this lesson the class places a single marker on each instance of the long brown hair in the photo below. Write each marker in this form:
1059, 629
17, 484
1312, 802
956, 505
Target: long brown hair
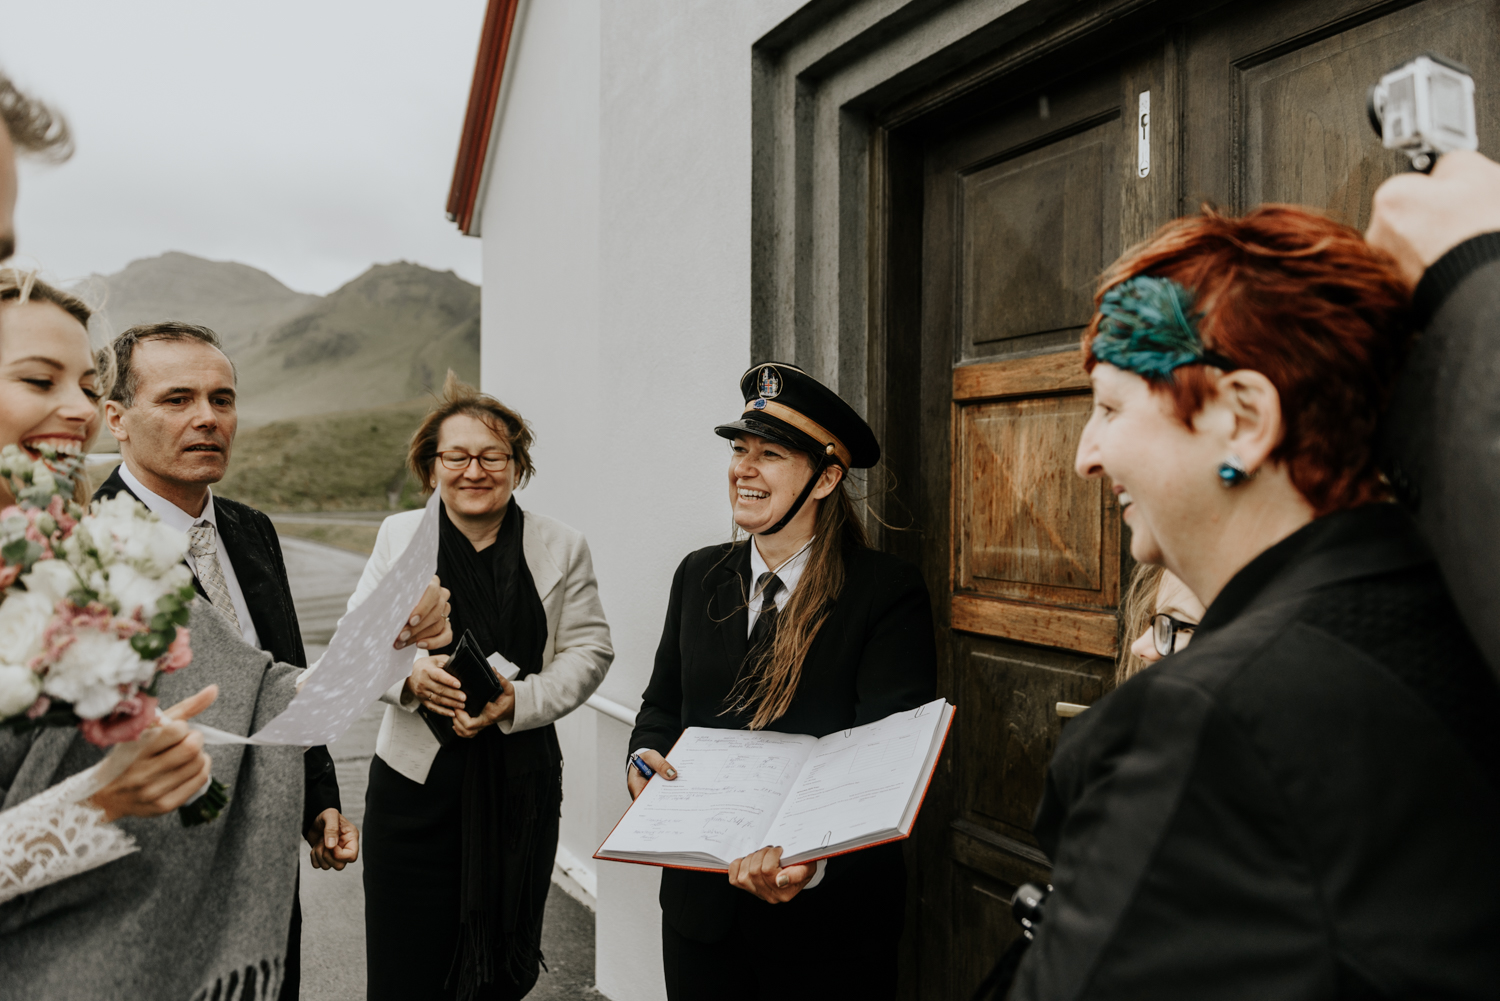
769, 689
1136, 610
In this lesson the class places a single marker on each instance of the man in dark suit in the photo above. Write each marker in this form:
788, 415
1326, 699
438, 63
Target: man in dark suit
173, 411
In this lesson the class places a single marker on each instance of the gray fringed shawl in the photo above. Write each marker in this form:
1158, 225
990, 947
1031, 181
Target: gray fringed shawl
197, 913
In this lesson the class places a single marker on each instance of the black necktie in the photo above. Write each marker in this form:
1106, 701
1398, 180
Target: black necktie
763, 633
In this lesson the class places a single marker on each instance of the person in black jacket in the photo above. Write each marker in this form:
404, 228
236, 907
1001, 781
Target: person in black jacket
172, 408
1303, 803
1444, 231
801, 629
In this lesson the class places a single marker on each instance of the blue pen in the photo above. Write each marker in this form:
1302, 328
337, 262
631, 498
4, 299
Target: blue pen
641, 766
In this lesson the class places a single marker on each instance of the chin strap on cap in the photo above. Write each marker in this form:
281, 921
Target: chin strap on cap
791, 512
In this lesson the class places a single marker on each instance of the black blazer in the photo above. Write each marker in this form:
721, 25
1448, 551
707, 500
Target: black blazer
873, 657
1301, 804
248, 538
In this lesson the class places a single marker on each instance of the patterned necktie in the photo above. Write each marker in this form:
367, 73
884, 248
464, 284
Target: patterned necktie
205, 554
763, 633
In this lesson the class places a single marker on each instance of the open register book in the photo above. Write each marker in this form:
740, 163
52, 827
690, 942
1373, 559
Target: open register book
738, 791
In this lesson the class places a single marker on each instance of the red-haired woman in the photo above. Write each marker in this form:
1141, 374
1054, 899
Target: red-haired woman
1303, 803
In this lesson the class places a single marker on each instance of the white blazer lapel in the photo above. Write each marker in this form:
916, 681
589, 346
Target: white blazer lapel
545, 572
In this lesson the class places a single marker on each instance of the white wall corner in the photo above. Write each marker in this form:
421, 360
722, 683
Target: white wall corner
576, 879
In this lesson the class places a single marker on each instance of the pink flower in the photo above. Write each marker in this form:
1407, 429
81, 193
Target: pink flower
56, 509
41, 705
8, 576
178, 655
129, 720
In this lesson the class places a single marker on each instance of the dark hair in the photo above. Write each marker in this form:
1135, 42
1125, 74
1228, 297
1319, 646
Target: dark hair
461, 398
126, 383
1304, 301
34, 127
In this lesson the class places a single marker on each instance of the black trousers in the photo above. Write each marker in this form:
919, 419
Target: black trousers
412, 845
831, 942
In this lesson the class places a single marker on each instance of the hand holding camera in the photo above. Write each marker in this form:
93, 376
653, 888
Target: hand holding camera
1418, 217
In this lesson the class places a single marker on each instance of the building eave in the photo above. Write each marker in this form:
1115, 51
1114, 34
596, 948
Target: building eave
479, 120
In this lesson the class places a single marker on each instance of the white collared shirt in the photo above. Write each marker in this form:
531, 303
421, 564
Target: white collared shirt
175, 517
790, 573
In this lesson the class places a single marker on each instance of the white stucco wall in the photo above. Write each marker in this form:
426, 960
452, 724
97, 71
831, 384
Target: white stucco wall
616, 228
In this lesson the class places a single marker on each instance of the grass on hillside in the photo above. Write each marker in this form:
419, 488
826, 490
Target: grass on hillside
349, 461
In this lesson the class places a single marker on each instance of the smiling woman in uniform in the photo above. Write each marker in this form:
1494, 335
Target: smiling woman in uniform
802, 628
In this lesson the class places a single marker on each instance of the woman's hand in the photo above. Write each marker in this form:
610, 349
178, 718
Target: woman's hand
170, 768
428, 628
434, 687
635, 781
502, 708
761, 873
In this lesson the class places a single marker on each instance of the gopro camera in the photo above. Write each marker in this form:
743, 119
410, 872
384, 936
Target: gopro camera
1425, 108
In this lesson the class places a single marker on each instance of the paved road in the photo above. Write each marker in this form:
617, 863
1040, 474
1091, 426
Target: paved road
333, 944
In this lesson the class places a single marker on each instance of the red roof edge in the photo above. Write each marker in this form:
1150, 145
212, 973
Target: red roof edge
484, 94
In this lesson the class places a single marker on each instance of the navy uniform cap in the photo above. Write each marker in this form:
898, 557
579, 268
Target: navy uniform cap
785, 404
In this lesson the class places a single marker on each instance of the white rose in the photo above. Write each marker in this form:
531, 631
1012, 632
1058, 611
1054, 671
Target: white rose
124, 531
19, 687
133, 589
52, 579
90, 671
23, 619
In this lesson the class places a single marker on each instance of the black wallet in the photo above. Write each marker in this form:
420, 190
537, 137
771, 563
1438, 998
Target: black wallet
475, 676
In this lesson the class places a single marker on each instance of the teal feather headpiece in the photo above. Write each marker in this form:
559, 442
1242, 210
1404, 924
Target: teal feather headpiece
1147, 326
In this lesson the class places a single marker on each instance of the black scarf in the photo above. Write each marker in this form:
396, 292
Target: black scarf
512, 784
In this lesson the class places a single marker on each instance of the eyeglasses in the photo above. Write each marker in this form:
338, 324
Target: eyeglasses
490, 462
1165, 630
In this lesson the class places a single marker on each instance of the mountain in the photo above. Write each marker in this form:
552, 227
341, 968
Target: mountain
236, 300
388, 336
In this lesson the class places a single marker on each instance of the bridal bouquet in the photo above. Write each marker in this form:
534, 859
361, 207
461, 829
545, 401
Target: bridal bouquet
94, 609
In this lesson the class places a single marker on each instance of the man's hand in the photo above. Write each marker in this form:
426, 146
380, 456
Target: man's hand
428, 628
436, 688
761, 873
502, 708
1418, 218
334, 840
635, 781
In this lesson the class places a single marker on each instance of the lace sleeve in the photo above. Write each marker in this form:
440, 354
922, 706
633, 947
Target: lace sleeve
53, 835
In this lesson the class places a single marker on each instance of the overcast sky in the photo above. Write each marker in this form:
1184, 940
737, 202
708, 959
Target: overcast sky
309, 138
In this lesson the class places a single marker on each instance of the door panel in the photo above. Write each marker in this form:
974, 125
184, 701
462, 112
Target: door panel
1033, 240
1020, 695
1024, 526
1292, 77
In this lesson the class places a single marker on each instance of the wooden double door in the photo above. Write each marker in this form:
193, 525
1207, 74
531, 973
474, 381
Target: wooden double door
1005, 195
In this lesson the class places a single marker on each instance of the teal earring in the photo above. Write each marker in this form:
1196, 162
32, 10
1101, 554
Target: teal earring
1232, 472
